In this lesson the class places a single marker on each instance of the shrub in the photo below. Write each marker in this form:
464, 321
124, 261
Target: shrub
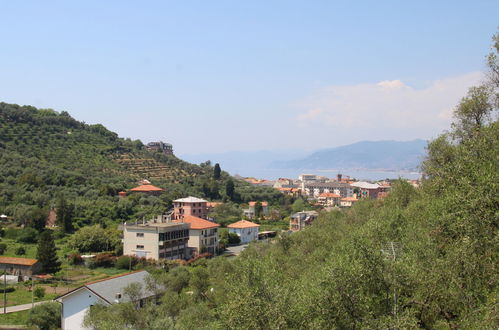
45, 316
104, 260
7, 289
11, 233
3, 247
39, 292
20, 251
75, 259
28, 235
123, 262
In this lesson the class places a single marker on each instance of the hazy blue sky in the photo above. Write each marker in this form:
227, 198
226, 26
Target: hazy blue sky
211, 76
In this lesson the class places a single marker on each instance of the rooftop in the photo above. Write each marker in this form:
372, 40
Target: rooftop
329, 195
146, 188
243, 224
18, 261
107, 288
198, 223
254, 203
365, 185
190, 199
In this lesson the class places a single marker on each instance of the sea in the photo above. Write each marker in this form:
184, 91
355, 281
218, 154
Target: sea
359, 174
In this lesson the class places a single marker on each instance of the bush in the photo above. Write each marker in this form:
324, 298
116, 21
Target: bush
28, 235
75, 259
104, 260
45, 316
123, 262
234, 238
39, 292
94, 239
20, 251
3, 247
7, 289
11, 233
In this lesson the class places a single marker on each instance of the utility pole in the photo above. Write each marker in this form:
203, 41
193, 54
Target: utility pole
5, 290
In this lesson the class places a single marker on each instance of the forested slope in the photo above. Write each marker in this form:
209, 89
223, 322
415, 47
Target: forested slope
46, 156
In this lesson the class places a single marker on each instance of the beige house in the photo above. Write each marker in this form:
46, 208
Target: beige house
156, 240
203, 235
329, 199
20, 266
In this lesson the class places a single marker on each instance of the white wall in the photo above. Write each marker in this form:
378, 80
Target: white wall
246, 234
74, 307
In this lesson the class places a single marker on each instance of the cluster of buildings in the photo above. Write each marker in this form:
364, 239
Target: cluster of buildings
160, 146
184, 232
323, 191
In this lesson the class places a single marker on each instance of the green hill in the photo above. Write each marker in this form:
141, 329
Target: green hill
45, 154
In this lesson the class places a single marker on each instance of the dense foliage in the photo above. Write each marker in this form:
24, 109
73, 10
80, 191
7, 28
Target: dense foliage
424, 258
48, 160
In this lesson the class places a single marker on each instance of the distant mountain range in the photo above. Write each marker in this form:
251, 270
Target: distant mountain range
379, 155
386, 155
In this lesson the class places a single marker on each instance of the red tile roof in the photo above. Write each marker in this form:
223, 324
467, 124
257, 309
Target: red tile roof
198, 223
254, 203
146, 188
243, 224
18, 261
329, 195
349, 199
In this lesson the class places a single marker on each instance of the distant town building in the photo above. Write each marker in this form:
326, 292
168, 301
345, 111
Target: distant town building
366, 189
190, 206
313, 189
329, 199
250, 211
20, 266
348, 201
147, 189
203, 235
246, 230
156, 239
165, 148
77, 302
307, 177
300, 220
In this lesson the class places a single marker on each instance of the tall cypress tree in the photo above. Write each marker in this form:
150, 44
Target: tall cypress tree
46, 253
217, 171
65, 214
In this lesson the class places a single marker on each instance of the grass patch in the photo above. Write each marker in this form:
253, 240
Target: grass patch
17, 318
22, 296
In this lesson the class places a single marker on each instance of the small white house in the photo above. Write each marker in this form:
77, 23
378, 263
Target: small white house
246, 230
108, 291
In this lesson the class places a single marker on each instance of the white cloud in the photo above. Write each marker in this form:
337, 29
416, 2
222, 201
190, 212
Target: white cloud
387, 109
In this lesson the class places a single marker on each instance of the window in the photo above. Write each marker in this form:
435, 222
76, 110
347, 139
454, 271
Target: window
140, 247
140, 234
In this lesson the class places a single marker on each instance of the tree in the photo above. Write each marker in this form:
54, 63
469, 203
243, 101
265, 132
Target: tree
258, 209
65, 214
217, 172
94, 239
47, 253
46, 316
229, 189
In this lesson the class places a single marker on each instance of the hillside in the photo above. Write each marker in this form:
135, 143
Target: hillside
387, 155
45, 155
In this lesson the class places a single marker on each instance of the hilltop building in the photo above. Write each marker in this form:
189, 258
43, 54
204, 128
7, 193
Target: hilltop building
190, 206
246, 230
147, 189
165, 148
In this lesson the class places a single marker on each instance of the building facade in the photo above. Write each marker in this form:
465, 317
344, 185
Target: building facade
250, 211
246, 230
20, 266
203, 235
329, 199
156, 240
314, 189
190, 206
165, 148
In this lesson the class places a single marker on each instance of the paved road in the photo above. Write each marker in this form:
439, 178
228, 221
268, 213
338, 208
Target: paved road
18, 308
236, 249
